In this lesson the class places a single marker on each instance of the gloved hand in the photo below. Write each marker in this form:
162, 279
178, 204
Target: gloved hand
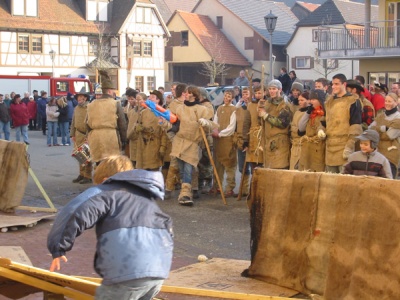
346, 153
310, 108
321, 134
139, 128
383, 128
262, 113
203, 122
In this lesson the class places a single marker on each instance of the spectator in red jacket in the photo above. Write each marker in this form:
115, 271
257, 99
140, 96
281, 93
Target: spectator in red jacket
32, 111
20, 118
378, 99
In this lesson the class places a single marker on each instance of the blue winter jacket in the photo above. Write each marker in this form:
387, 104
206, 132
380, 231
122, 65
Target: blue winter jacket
134, 237
71, 105
41, 105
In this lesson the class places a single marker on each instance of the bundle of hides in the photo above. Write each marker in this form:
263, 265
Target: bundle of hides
13, 175
332, 235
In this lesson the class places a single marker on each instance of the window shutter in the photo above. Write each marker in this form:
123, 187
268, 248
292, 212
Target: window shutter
294, 63
311, 63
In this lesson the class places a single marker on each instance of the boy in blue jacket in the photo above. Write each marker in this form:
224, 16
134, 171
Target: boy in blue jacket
134, 237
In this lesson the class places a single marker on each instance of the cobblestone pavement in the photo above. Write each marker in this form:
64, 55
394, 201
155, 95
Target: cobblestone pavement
209, 227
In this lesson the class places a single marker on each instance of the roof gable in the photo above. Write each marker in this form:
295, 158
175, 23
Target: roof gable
334, 12
63, 16
120, 11
212, 39
254, 17
307, 5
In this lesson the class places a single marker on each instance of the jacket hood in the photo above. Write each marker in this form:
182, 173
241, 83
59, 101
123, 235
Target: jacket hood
151, 181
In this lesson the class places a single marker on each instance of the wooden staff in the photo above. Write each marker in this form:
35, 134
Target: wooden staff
250, 79
212, 162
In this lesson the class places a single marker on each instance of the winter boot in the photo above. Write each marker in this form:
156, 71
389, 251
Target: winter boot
77, 179
185, 196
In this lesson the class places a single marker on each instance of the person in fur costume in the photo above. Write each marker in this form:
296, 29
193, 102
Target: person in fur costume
106, 124
185, 146
312, 153
276, 117
78, 136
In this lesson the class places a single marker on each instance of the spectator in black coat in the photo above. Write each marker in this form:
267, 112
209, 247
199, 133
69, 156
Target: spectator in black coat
285, 80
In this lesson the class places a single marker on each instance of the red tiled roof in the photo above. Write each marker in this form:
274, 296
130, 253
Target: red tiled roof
309, 6
54, 16
213, 39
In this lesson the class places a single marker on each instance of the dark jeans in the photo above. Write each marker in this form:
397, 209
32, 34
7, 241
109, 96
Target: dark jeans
44, 125
32, 124
241, 160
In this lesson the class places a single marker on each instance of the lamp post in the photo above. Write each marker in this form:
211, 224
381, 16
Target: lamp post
270, 23
52, 54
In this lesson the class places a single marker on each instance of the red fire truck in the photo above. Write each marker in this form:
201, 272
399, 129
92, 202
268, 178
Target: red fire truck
54, 86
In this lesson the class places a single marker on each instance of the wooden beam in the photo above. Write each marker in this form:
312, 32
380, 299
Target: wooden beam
218, 294
85, 286
42, 284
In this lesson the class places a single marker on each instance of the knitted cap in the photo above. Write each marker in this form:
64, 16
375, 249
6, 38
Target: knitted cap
298, 86
319, 95
370, 135
276, 83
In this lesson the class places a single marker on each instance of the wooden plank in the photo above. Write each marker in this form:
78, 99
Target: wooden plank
15, 253
218, 294
42, 284
221, 275
21, 220
35, 208
78, 284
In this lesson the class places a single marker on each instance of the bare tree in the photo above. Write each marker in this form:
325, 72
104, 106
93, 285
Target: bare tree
216, 66
325, 66
102, 50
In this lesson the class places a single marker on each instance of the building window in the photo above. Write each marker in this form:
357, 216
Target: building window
303, 62
37, 44
320, 35
184, 38
137, 48
27, 8
331, 63
139, 83
151, 83
23, 43
147, 48
93, 45
65, 45
143, 15
97, 11
219, 22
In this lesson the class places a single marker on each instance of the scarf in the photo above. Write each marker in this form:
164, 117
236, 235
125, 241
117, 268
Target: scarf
319, 111
188, 103
392, 111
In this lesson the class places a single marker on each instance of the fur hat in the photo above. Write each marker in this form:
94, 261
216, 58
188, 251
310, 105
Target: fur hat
381, 86
354, 84
83, 94
106, 82
158, 94
370, 135
298, 86
276, 83
319, 95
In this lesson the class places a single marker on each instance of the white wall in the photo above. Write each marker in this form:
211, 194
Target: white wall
302, 45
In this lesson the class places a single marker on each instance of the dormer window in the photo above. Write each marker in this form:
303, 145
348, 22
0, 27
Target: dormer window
97, 10
27, 8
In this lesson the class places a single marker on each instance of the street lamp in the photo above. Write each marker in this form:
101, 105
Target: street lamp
270, 23
52, 54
